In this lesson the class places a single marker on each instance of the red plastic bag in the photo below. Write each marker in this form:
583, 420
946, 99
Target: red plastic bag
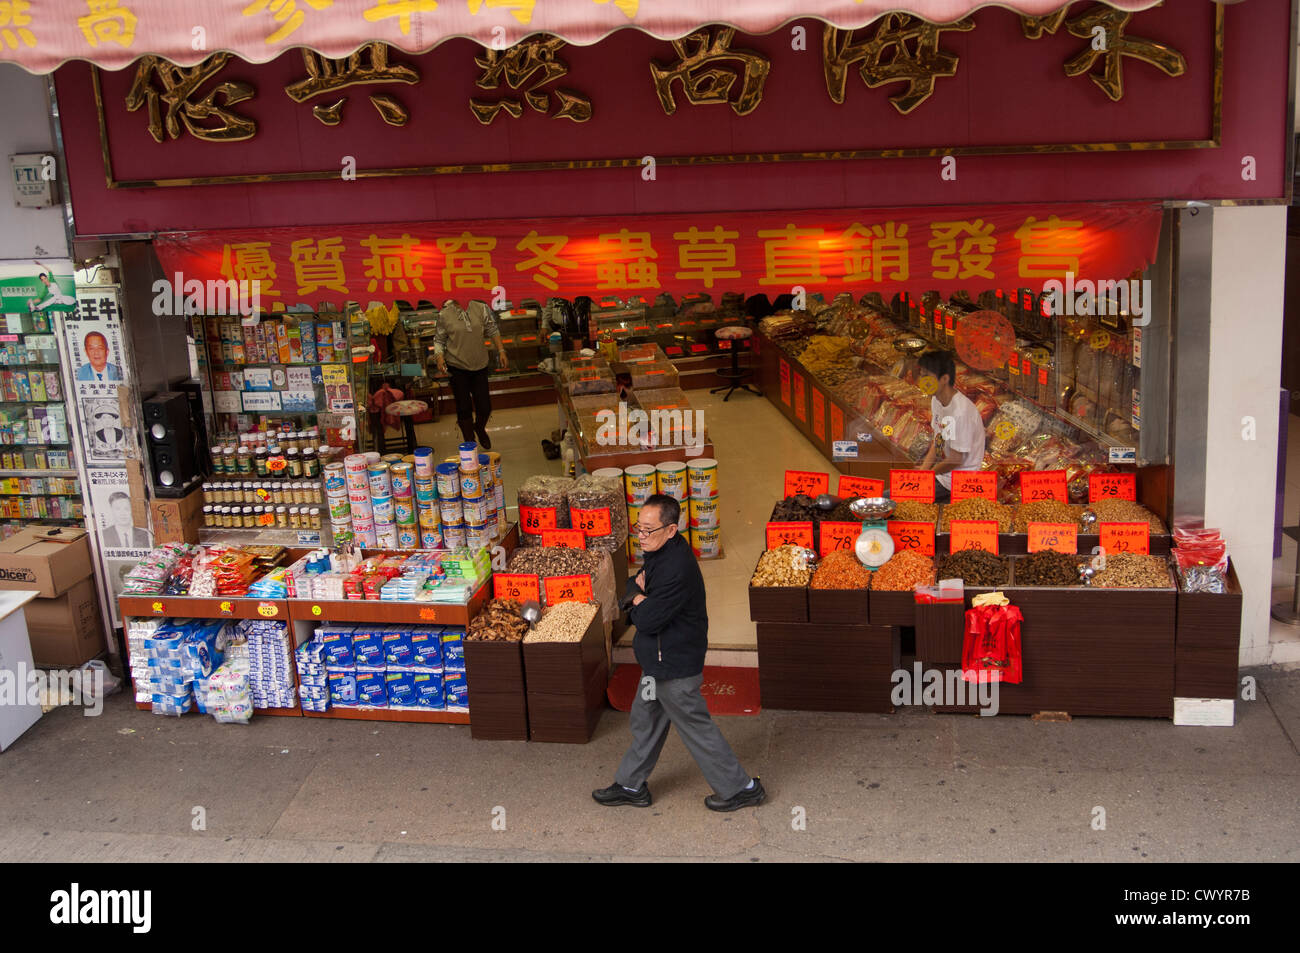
991, 649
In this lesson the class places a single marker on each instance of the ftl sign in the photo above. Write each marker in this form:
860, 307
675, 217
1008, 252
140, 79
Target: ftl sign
33, 176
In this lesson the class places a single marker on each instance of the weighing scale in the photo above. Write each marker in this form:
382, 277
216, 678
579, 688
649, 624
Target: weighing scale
874, 545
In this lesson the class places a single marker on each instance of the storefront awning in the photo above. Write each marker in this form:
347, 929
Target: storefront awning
39, 36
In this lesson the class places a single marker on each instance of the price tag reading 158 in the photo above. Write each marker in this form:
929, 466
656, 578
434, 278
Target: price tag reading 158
912, 485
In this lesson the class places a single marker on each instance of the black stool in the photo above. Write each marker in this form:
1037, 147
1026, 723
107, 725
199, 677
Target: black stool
737, 376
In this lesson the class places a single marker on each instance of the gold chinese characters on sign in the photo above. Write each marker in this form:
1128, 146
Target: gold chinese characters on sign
367, 66
531, 64
178, 90
904, 48
703, 83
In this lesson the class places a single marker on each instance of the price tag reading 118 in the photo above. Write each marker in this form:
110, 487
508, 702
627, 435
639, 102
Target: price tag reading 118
1061, 537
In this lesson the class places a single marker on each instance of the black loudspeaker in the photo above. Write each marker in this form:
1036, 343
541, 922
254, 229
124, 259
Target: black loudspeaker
169, 431
194, 391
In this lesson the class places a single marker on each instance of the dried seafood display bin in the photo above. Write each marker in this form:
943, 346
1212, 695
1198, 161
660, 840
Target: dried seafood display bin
566, 684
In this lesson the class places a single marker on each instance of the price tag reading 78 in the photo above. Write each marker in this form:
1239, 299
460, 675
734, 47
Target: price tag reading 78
520, 587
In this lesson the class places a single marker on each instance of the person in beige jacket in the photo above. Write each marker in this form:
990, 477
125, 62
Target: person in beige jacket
460, 348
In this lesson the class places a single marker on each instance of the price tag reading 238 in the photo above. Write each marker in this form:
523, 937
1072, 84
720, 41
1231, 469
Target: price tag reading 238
1038, 485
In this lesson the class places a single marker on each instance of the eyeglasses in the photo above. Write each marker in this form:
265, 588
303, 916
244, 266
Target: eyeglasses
642, 531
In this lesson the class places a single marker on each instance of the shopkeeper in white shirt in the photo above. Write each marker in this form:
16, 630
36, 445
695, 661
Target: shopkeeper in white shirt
958, 442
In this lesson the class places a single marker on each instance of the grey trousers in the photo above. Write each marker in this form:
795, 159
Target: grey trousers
678, 702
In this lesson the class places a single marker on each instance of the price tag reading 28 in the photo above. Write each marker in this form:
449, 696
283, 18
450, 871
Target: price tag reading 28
968, 484
568, 589
838, 536
518, 586
806, 482
1038, 485
1126, 538
912, 485
790, 534
910, 535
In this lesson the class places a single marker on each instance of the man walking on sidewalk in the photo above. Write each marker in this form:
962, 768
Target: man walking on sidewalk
666, 604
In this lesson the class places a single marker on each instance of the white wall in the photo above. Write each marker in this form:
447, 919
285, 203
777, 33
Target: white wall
25, 127
1246, 301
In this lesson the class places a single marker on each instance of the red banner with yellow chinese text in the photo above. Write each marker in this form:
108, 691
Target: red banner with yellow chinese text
855, 250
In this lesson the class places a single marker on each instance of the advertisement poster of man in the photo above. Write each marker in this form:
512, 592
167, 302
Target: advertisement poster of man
120, 534
37, 287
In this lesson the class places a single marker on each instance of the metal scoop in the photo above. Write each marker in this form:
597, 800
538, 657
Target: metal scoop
531, 613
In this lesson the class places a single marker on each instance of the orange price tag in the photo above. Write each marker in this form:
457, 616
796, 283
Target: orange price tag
429, 615
518, 586
910, 535
837, 536
568, 589
785, 381
912, 485
534, 519
804, 481
967, 484
158, 608
837, 422
564, 538
800, 399
1112, 486
974, 534
1038, 485
790, 534
591, 522
1126, 538
819, 414
268, 610
277, 464
852, 487
316, 610
227, 608
1061, 537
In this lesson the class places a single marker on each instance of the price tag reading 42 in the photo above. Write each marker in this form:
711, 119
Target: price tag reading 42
790, 534
851, 487
804, 481
968, 484
912, 485
1126, 538
1061, 537
974, 534
1038, 485
1112, 486
518, 586
908, 535
838, 536
564, 538
568, 589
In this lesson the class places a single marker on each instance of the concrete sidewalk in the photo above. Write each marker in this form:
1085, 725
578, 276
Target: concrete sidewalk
914, 786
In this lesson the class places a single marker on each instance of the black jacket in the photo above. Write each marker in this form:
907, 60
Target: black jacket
672, 625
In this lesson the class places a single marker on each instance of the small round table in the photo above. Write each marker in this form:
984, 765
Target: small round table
407, 411
736, 376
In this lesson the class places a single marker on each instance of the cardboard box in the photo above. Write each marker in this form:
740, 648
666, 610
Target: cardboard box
177, 520
68, 630
48, 559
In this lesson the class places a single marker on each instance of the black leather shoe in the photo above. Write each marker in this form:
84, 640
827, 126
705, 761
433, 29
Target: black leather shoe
616, 795
483, 440
751, 798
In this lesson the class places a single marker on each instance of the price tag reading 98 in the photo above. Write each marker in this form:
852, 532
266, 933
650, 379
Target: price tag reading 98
968, 484
1036, 485
1126, 538
1112, 486
838, 536
568, 589
909, 535
912, 485
518, 586
790, 534
806, 482
1060, 537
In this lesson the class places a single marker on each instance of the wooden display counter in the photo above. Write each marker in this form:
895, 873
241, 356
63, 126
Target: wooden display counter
815, 667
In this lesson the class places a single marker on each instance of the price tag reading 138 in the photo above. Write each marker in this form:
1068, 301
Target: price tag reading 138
974, 534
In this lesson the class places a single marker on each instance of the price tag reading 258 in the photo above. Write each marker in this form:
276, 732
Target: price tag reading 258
967, 484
